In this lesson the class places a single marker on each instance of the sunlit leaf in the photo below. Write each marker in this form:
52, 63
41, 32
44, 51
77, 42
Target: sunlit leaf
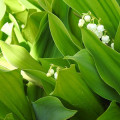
71, 88
91, 76
106, 59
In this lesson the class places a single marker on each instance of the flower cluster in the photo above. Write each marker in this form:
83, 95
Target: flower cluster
51, 71
97, 29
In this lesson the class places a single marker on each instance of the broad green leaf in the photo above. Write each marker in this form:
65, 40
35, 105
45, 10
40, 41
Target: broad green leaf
73, 25
46, 62
46, 4
61, 36
4, 65
29, 5
42, 39
40, 79
117, 40
34, 92
106, 59
60, 9
118, 2
51, 108
3, 110
35, 3
2, 9
32, 26
40, 47
108, 11
91, 76
13, 20
113, 112
71, 88
12, 95
19, 57
9, 117
14, 5
19, 16
51, 50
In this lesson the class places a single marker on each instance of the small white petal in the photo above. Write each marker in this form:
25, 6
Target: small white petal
81, 23
100, 28
7, 28
87, 18
105, 39
99, 34
48, 74
56, 75
51, 71
112, 45
92, 27
22, 26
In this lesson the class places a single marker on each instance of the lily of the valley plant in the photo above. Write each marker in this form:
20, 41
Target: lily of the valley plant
59, 60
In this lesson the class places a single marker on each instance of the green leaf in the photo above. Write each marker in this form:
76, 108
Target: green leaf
34, 92
108, 11
40, 79
61, 36
106, 59
73, 25
117, 40
19, 16
29, 5
2, 9
12, 95
60, 9
19, 57
32, 26
9, 117
92, 78
46, 62
3, 110
4, 65
50, 108
46, 4
14, 5
71, 88
113, 112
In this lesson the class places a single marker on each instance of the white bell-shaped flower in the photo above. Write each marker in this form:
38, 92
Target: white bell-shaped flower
51, 71
22, 26
56, 75
87, 18
48, 74
100, 28
92, 27
105, 39
112, 45
99, 34
81, 23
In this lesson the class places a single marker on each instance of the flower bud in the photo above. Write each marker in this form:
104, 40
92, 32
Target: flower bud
87, 18
51, 71
112, 45
92, 27
56, 75
100, 28
99, 34
105, 39
81, 23
48, 74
